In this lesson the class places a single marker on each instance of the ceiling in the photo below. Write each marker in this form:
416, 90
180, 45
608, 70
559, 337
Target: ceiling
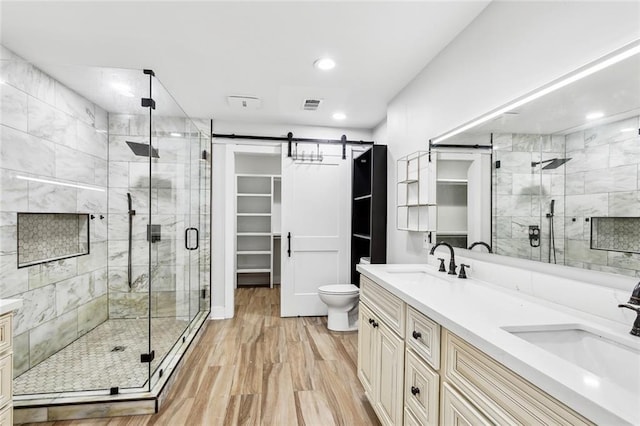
205, 51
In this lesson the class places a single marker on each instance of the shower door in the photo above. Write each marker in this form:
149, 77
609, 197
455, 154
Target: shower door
174, 229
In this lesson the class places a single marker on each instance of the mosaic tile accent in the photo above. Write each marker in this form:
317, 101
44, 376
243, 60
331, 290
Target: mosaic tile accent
91, 363
47, 236
616, 234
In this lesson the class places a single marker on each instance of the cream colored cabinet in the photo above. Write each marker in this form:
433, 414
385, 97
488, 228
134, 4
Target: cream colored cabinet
458, 411
381, 351
437, 377
421, 389
366, 350
6, 370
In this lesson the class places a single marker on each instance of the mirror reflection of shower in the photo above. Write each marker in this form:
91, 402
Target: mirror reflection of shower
553, 163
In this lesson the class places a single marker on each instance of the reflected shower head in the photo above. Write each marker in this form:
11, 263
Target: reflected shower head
142, 149
554, 163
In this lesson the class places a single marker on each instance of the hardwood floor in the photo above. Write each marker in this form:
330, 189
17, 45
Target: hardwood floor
260, 369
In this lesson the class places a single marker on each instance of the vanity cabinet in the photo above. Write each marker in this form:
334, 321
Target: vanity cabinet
6, 370
437, 378
381, 351
501, 395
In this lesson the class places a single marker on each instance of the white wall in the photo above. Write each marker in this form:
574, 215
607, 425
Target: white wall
510, 49
222, 203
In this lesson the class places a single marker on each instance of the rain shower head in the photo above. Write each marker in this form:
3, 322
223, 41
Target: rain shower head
142, 149
554, 163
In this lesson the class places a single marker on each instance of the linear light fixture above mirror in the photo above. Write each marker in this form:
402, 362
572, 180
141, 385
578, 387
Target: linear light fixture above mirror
618, 55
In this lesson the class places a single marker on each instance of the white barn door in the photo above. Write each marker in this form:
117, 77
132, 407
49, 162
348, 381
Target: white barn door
316, 220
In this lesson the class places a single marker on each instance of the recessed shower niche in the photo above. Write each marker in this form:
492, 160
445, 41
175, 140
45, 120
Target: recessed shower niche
45, 237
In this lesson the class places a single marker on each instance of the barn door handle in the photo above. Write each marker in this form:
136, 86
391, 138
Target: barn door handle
289, 244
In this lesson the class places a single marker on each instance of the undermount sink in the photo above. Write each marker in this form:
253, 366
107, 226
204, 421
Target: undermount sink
408, 274
606, 357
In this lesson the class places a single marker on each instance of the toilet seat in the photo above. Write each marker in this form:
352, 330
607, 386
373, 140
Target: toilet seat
346, 289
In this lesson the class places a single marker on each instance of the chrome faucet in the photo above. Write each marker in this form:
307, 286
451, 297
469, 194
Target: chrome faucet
634, 305
480, 243
452, 259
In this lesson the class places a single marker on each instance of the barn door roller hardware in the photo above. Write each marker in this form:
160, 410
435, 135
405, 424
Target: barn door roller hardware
291, 140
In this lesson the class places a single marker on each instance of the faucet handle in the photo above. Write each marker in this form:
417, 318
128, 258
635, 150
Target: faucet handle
442, 268
463, 273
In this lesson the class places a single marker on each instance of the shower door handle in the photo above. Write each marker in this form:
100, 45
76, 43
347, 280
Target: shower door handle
289, 244
186, 238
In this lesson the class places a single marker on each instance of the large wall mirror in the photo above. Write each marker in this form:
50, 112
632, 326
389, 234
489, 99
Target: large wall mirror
565, 174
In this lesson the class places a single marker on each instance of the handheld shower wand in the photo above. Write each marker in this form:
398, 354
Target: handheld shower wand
131, 213
552, 238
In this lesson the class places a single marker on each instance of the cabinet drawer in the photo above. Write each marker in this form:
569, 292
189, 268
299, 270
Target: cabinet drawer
423, 335
6, 380
410, 419
456, 410
503, 396
5, 333
385, 305
421, 389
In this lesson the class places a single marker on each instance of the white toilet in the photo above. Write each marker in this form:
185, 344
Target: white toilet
342, 301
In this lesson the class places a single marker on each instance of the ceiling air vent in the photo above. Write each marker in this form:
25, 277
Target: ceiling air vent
244, 102
311, 104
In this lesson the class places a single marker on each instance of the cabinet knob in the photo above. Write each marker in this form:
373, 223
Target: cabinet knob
375, 324
370, 320
416, 334
415, 390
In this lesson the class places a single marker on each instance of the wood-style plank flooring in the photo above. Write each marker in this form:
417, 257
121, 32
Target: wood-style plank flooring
260, 369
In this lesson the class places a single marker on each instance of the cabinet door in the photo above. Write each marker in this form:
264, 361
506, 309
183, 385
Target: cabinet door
455, 410
421, 389
366, 351
389, 395
6, 416
5, 379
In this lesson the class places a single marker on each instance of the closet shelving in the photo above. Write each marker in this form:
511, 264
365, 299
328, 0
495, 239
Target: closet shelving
369, 208
452, 193
257, 227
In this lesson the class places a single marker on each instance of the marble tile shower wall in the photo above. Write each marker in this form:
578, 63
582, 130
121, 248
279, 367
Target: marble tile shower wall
174, 195
49, 132
522, 194
602, 179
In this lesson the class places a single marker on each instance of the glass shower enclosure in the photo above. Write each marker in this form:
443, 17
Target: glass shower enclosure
105, 222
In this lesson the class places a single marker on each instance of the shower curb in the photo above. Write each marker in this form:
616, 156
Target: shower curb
54, 408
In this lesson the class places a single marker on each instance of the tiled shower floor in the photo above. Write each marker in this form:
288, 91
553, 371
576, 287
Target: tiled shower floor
90, 363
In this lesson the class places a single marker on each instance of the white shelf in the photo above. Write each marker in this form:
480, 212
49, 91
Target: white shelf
257, 221
443, 232
363, 236
253, 271
452, 181
253, 252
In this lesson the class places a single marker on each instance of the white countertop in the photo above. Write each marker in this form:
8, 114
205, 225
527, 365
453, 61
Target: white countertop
478, 311
8, 305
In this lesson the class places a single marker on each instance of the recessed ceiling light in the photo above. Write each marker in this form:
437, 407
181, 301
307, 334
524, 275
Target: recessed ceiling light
324, 64
339, 116
595, 115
